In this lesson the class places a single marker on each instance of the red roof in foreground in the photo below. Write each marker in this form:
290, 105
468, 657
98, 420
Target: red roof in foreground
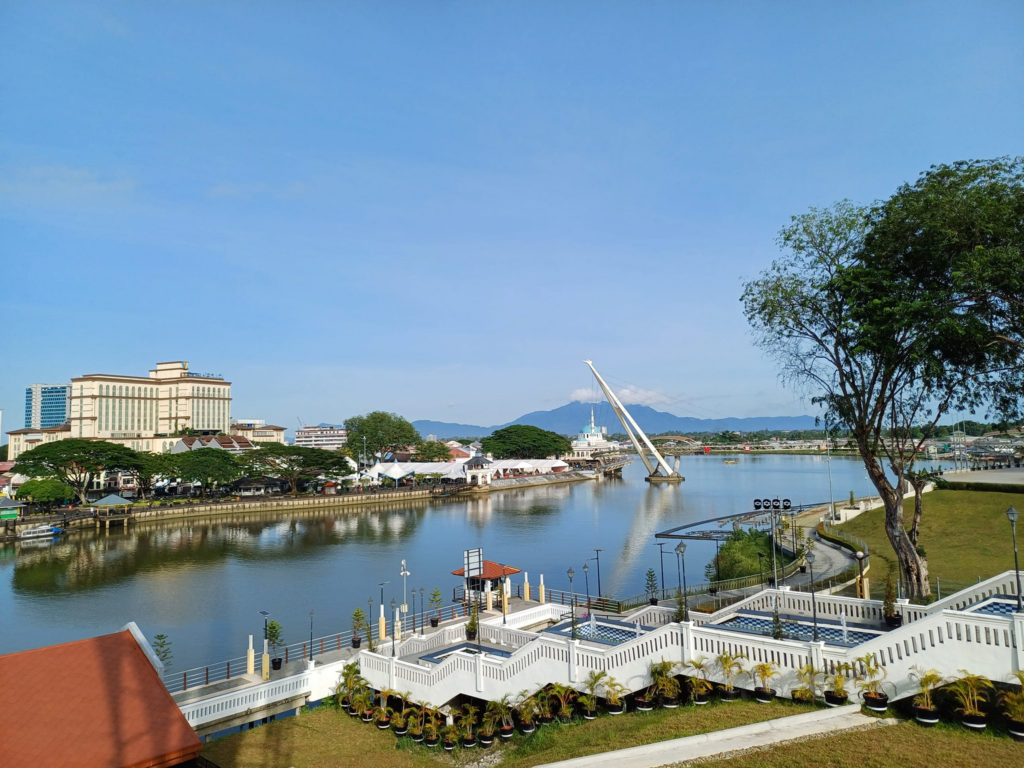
492, 570
96, 702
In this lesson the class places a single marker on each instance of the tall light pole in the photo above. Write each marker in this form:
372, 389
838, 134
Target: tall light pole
310, 635
381, 585
809, 557
572, 602
404, 573
586, 570
828, 458
394, 618
364, 450
681, 554
1012, 515
504, 593
661, 546
423, 607
414, 611
598, 558
860, 585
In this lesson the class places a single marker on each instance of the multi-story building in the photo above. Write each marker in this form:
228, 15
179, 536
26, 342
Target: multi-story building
257, 431
330, 437
47, 405
142, 412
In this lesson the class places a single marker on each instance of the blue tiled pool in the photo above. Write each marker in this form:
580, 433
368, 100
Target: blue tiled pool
793, 629
607, 631
1003, 605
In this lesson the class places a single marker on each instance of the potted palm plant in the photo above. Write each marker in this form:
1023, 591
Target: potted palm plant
275, 641
501, 712
467, 721
869, 681
403, 715
416, 718
564, 695
435, 605
545, 707
1013, 708
651, 586
485, 733
809, 685
613, 696
450, 734
358, 620
892, 618
347, 684
526, 706
925, 711
700, 686
764, 673
970, 691
431, 732
836, 696
473, 625
731, 665
589, 700
364, 702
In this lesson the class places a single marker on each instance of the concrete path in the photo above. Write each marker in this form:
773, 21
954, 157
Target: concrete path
811, 724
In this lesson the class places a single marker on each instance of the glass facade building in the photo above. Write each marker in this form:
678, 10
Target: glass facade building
47, 405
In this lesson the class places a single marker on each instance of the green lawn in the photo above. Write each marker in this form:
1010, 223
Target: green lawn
899, 746
965, 535
328, 737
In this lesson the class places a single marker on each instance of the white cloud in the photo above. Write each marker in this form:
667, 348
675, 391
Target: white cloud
60, 185
628, 396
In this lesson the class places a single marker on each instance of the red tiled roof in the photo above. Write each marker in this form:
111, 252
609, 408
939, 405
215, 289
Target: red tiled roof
90, 703
492, 570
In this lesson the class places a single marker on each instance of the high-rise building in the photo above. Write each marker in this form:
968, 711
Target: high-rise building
331, 437
47, 405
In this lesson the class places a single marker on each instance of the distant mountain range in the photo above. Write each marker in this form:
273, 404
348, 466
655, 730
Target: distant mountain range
568, 419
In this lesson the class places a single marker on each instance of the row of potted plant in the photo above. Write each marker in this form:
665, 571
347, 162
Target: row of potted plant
968, 692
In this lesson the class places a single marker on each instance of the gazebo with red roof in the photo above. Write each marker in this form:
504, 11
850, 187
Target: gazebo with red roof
490, 580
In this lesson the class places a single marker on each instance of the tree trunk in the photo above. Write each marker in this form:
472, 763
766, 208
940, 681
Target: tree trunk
913, 567
918, 484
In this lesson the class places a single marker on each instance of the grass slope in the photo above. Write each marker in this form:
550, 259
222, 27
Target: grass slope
965, 534
898, 746
327, 737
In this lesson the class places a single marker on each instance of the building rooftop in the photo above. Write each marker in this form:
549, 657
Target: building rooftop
492, 570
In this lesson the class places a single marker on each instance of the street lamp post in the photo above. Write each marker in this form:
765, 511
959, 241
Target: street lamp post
1012, 515
413, 611
265, 615
661, 546
598, 558
586, 570
504, 593
681, 563
310, 635
394, 618
404, 573
572, 602
860, 584
423, 607
809, 557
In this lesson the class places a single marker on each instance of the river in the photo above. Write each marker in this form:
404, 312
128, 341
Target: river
202, 582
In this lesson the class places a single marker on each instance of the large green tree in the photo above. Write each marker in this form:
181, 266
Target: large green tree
209, 466
433, 450
46, 491
384, 432
522, 441
891, 317
296, 463
75, 462
147, 467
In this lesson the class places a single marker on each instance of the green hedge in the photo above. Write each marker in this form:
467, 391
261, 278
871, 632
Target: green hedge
945, 485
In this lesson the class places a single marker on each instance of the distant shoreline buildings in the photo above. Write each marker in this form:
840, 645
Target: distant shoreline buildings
329, 437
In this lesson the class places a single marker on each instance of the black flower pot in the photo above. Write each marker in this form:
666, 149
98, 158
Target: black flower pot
434, 621
974, 722
471, 634
1016, 728
876, 702
449, 746
506, 732
926, 716
729, 694
383, 725
356, 641
654, 601
644, 705
834, 700
417, 737
486, 741
590, 714
468, 742
670, 702
894, 621
803, 569
547, 719
353, 711
366, 717
700, 699
431, 741
764, 695
400, 732
275, 663
616, 709
528, 727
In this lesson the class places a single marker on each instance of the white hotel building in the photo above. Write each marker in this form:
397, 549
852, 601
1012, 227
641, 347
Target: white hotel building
141, 412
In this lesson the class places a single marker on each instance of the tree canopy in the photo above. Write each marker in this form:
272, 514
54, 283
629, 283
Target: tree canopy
46, 491
146, 467
738, 556
891, 317
433, 450
296, 463
384, 432
75, 462
521, 441
209, 466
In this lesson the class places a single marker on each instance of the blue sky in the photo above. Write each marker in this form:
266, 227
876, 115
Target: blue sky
441, 208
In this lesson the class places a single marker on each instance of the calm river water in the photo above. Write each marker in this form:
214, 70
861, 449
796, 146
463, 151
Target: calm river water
202, 582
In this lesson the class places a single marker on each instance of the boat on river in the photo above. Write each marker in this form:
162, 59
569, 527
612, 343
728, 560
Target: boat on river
39, 531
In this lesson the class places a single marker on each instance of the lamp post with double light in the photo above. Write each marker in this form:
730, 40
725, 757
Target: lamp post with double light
586, 570
423, 607
681, 564
661, 546
394, 619
311, 636
598, 558
1012, 515
809, 557
572, 602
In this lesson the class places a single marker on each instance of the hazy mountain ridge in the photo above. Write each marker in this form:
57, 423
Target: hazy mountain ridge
568, 419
